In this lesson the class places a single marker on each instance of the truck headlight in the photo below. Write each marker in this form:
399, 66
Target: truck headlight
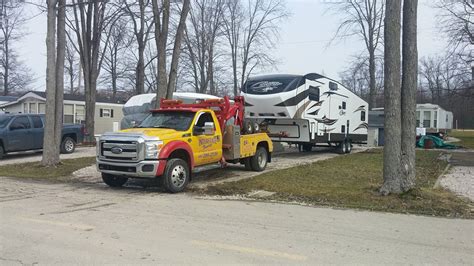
152, 149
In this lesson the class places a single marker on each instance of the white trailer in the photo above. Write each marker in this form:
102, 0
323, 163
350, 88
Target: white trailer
307, 110
433, 118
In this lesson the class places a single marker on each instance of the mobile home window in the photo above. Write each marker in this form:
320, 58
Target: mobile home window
68, 113
435, 119
426, 119
41, 108
80, 112
362, 116
106, 112
417, 118
33, 108
25, 108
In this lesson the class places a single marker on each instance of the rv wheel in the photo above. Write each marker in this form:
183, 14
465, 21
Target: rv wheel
341, 147
248, 127
348, 145
256, 127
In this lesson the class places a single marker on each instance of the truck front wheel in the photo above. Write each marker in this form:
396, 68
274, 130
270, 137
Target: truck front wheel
259, 161
114, 181
176, 175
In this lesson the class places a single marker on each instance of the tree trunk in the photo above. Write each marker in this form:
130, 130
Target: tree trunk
392, 150
372, 88
54, 82
177, 49
161, 37
408, 94
140, 75
60, 56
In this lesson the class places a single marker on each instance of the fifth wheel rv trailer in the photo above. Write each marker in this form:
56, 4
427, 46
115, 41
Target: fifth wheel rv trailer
306, 110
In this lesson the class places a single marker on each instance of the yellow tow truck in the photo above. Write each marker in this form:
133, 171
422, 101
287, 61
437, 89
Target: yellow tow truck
178, 137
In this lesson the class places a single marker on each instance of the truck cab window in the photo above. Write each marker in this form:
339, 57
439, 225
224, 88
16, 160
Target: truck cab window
37, 122
21, 122
203, 119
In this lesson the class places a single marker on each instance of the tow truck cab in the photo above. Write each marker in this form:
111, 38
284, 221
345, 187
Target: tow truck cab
171, 142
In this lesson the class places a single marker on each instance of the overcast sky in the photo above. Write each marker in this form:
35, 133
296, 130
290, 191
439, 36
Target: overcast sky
302, 48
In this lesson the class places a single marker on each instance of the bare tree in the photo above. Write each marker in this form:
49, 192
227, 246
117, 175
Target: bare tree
88, 23
56, 10
364, 18
356, 77
71, 67
392, 92
233, 24
161, 14
142, 22
458, 24
14, 74
408, 94
201, 39
116, 65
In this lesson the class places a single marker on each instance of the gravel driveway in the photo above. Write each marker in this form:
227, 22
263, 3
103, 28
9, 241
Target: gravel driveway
460, 178
25, 157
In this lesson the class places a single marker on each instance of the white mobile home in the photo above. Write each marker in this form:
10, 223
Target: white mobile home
307, 110
433, 118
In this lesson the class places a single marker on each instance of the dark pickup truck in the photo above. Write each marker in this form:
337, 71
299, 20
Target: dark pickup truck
24, 132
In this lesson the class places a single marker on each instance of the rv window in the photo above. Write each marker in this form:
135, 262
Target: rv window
343, 129
362, 116
343, 105
332, 86
314, 93
271, 85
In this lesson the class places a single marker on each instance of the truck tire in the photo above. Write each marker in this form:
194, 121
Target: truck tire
113, 180
2, 152
348, 146
176, 175
68, 145
248, 127
341, 147
259, 161
307, 147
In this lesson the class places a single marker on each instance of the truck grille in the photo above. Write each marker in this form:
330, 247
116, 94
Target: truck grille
119, 150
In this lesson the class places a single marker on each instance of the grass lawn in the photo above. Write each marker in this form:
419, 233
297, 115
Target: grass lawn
352, 181
466, 137
37, 171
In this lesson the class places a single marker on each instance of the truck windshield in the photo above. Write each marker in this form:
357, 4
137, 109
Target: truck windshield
175, 120
4, 120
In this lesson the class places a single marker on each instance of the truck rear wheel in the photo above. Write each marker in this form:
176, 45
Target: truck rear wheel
113, 180
259, 161
68, 145
176, 175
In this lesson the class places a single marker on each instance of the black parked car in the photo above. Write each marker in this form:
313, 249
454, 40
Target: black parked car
24, 132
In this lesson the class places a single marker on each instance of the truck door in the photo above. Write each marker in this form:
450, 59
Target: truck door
37, 132
19, 134
207, 147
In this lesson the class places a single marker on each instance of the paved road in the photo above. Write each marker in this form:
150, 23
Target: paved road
24, 157
51, 223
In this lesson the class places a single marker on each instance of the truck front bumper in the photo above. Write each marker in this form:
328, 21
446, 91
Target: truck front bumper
142, 169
